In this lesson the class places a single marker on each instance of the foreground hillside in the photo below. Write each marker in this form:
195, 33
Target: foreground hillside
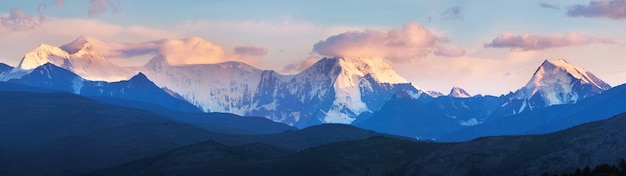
588, 144
64, 134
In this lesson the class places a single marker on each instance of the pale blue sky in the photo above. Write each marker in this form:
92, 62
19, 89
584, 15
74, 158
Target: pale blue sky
289, 29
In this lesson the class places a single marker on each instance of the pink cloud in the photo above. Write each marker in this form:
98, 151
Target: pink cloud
408, 43
301, 66
449, 52
18, 20
97, 7
193, 50
250, 51
111, 49
526, 42
614, 9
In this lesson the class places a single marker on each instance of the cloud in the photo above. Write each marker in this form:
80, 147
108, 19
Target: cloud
301, 66
112, 49
18, 20
193, 50
449, 52
97, 7
549, 6
405, 44
528, 42
453, 13
250, 51
614, 9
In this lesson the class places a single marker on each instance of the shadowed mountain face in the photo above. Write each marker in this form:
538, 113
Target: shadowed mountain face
429, 120
64, 134
138, 88
140, 93
550, 119
4, 68
588, 144
374, 156
556, 97
309, 137
206, 158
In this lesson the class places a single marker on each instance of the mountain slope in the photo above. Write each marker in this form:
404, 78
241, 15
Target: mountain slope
332, 90
459, 93
429, 120
140, 93
274, 154
138, 88
555, 82
206, 158
64, 134
550, 119
4, 69
302, 139
225, 87
452, 118
587, 144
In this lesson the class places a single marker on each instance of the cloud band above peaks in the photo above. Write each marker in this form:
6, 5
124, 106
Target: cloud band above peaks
526, 42
410, 42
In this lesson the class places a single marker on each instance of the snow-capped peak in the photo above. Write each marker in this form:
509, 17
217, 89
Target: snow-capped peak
42, 55
558, 82
80, 43
579, 73
79, 56
459, 93
433, 93
376, 67
352, 80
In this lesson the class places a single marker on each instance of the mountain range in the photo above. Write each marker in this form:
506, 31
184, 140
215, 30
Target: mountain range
334, 90
70, 111
365, 92
584, 145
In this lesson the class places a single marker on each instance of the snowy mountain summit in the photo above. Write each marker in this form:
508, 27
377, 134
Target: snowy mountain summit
459, 93
79, 56
558, 82
356, 76
333, 90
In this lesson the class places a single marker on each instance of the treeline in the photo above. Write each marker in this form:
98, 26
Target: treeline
603, 169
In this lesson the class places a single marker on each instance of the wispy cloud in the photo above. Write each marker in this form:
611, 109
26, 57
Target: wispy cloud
18, 20
613, 9
526, 42
97, 7
408, 43
250, 51
453, 13
549, 6
449, 52
193, 50
303, 65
